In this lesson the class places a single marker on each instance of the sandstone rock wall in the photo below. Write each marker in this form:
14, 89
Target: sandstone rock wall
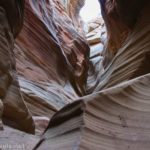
93, 99
51, 58
116, 114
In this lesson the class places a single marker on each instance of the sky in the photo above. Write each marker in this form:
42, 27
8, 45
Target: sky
90, 10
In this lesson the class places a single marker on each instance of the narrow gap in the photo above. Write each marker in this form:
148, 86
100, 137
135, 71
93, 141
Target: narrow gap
90, 10
95, 32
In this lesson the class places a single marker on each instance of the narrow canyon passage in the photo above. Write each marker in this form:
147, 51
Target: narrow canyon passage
95, 33
83, 79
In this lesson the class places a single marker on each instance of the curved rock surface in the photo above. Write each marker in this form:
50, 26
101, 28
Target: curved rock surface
14, 111
116, 115
95, 92
56, 61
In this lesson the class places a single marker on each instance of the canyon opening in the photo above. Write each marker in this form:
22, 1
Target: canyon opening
90, 10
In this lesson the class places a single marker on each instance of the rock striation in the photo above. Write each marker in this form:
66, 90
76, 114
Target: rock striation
116, 114
56, 61
75, 90
14, 111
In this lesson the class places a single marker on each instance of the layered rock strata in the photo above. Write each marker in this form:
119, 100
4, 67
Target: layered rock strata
108, 91
116, 114
15, 113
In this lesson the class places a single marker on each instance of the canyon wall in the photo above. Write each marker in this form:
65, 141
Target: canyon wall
115, 115
75, 91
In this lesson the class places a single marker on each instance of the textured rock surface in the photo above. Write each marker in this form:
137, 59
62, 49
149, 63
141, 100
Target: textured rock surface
108, 90
15, 112
56, 61
119, 22
116, 118
15, 139
96, 37
116, 114
74, 7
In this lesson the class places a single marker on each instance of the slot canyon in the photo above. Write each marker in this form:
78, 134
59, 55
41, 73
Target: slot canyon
73, 78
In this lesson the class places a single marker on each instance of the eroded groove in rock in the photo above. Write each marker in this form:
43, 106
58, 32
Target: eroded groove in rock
15, 113
116, 115
56, 61
57, 67
116, 118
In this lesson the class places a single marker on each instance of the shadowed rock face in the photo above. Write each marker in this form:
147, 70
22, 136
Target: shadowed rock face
120, 18
14, 111
14, 11
57, 67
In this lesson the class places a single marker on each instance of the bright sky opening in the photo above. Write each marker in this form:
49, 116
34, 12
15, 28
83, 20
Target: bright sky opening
90, 10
